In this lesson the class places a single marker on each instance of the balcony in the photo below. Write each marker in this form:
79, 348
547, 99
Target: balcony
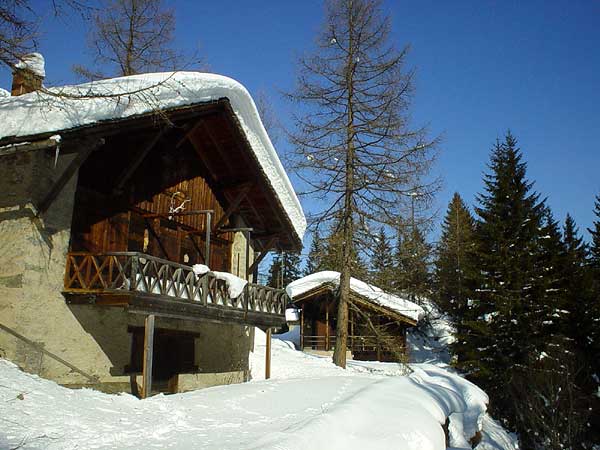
150, 285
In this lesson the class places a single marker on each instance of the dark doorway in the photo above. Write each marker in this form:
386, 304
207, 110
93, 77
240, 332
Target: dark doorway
174, 353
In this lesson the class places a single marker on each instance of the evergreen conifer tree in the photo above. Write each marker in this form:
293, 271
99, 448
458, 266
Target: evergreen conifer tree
453, 264
284, 269
314, 262
382, 262
580, 308
411, 273
595, 244
504, 322
333, 256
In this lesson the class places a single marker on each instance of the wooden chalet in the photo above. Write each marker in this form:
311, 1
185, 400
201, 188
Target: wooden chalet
376, 330
124, 206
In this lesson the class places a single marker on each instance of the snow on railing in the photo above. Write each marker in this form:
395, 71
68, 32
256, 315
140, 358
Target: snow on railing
137, 272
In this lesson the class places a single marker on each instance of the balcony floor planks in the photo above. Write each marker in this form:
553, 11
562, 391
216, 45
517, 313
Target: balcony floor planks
167, 306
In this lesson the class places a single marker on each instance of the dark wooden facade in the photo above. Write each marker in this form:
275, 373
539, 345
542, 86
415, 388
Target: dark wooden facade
318, 322
173, 188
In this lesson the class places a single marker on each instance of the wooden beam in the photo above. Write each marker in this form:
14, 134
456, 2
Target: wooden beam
66, 176
148, 354
187, 133
218, 147
232, 207
177, 214
263, 253
28, 146
209, 167
268, 355
137, 160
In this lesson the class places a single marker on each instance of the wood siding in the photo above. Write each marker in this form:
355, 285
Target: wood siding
167, 180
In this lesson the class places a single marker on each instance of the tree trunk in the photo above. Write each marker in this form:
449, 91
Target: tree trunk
341, 335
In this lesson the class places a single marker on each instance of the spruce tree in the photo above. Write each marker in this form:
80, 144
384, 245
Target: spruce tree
454, 260
595, 244
382, 262
314, 262
580, 308
284, 269
412, 259
504, 322
333, 256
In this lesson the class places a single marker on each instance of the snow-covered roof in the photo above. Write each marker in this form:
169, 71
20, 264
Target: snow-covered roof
365, 290
70, 107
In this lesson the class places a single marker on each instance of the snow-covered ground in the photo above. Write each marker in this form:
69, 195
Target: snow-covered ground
307, 404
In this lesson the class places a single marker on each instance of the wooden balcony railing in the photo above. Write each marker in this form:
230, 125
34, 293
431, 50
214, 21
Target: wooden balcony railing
354, 343
138, 273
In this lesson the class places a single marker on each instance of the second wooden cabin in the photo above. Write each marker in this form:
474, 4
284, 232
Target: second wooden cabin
377, 323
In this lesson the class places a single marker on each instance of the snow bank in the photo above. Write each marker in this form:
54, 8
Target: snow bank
308, 404
373, 293
75, 106
429, 341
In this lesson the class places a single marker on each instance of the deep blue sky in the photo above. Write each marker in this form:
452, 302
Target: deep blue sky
482, 67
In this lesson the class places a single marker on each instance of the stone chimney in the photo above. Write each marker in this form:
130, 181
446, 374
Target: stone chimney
28, 74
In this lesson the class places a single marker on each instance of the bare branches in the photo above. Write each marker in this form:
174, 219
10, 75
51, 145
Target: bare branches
354, 145
17, 30
133, 36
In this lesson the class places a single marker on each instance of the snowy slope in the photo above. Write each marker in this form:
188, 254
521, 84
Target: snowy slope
308, 404
373, 293
69, 107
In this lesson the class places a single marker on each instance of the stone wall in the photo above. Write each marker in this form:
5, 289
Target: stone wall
238, 252
93, 340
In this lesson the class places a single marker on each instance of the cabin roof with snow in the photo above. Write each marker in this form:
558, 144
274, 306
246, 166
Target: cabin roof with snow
57, 115
317, 283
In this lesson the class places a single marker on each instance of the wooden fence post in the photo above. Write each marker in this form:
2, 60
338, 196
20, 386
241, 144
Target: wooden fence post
148, 353
268, 356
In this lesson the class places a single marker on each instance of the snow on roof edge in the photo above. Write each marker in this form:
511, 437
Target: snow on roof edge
69, 107
377, 295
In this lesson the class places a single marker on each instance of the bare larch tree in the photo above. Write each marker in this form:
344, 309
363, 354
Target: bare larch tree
355, 149
131, 36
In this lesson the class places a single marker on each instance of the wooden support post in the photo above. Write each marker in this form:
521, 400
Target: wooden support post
148, 353
268, 356
66, 176
302, 328
327, 327
207, 241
